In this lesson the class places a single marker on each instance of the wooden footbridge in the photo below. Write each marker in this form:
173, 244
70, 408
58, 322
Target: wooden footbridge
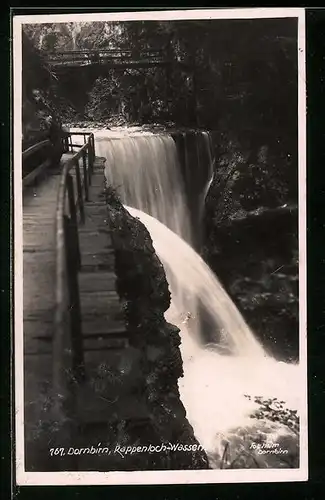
73, 325
114, 59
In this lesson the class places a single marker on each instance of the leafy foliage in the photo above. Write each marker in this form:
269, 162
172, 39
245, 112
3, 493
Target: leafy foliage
210, 75
275, 411
73, 36
272, 441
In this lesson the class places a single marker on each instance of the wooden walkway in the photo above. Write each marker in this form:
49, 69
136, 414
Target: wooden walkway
39, 208
102, 322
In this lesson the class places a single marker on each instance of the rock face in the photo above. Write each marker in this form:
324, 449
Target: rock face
144, 294
251, 237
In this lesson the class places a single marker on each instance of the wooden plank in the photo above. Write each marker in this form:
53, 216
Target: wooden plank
35, 329
91, 232
38, 279
37, 307
90, 282
103, 409
39, 315
95, 222
46, 190
36, 244
95, 215
38, 346
103, 296
95, 263
37, 407
37, 172
105, 343
108, 317
105, 254
101, 304
91, 229
89, 246
119, 332
93, 240
38, 209
38, 276
35, 219
36, 202
96, 408
101, 326
37, 381
38, 329
96, 204
98, 183
95, 267
96, 207
46, 216
35, 147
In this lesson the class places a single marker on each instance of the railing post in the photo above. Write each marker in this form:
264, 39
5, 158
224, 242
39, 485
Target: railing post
66, 144
79, 192
78, 363
73, 220
90, 163
90, 157
93, 149
86, 175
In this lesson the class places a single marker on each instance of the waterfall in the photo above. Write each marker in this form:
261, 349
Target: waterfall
145, 171
146, 174
75, 31
198, 283
214, 384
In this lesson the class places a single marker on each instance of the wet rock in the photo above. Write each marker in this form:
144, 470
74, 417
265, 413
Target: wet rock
144, 293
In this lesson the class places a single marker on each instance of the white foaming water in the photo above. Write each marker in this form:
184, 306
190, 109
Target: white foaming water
129, 169
146, 173
144, 170
189, 274
214, 385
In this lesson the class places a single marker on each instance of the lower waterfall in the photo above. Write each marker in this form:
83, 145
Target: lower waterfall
216, 377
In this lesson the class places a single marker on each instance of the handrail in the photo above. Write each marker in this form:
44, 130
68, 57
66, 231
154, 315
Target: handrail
79, 133
35, 147
34, 174
67, 340
69, 145
36, 160
112, 52
148, 56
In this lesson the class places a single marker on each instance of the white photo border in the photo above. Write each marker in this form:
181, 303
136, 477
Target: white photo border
24, 478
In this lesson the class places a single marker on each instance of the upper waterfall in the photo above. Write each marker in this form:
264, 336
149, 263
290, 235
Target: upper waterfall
145, 172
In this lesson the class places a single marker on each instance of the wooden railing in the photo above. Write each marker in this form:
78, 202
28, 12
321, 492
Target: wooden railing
35, 147
69, 145
68, 362
41, 148
113, 56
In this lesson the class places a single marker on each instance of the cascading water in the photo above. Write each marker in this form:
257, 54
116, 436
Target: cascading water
129, 169
144, 170
198, 283
214, 384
